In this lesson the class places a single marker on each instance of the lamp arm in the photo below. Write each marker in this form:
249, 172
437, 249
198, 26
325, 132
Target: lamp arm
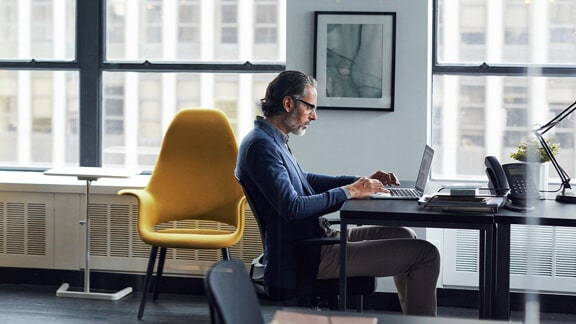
545, 128
563, 175
554, 121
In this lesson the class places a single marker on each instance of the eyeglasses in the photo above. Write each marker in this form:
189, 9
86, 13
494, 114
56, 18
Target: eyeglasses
311, 107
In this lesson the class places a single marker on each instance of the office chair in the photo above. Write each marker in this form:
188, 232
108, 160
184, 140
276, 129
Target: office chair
322, 290
193, 179
231, 295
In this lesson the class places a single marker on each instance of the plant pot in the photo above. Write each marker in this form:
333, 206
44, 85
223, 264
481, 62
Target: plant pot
543, 177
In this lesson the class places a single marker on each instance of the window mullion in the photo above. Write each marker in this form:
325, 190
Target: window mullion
89, 29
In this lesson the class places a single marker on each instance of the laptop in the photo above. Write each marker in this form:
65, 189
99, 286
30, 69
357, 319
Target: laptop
418, 190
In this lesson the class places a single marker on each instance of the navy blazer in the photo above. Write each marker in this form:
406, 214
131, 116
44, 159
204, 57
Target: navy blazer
287, 202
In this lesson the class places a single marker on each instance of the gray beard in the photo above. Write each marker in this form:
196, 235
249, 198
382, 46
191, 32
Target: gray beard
292, 126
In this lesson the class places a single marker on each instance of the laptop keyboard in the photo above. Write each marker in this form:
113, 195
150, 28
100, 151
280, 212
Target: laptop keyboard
404, 192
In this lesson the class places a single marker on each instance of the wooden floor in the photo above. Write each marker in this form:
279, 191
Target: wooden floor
39, 304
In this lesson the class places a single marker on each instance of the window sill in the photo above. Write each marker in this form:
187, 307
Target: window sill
18, 181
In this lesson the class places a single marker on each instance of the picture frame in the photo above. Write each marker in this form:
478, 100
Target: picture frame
354, 59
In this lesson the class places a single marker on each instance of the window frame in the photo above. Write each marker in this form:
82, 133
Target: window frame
90, 63
485, 68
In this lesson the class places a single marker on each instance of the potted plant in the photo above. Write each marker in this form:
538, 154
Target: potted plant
530, 150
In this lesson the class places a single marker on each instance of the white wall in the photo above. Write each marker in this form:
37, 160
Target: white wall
358, 142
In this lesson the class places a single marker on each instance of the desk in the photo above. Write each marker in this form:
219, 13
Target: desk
284, 316
409, 213
547, 213
90, 174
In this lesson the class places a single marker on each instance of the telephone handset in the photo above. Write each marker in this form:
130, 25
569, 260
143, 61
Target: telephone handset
511, 177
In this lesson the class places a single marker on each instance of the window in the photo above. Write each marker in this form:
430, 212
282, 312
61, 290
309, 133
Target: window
71, 96
496, 77
265, 27
189, 22
229, 29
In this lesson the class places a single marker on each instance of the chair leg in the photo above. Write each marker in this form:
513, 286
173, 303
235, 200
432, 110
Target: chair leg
159, 272
226, 254
147, 280
360, 303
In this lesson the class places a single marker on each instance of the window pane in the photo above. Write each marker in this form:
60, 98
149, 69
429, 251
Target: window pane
208, 31
38, 118
265, 31
507, 31
37, 29
492, 115
139, 106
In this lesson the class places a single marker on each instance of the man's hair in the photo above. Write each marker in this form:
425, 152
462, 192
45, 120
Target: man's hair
287, 83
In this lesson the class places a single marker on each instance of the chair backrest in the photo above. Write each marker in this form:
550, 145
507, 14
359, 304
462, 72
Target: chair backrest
231, 295
194, 175
258, 266
257, 217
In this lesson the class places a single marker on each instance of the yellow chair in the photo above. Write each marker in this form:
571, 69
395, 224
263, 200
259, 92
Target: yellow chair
193, 179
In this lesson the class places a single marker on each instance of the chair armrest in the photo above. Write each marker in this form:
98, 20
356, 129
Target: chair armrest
332, 219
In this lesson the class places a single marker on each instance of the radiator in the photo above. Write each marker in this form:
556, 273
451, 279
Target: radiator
43, 230
542, 258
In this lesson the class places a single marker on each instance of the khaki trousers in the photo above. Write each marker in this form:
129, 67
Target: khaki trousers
380, 251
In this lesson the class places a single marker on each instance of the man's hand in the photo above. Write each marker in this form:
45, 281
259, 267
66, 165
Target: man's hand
364, 187
387, 178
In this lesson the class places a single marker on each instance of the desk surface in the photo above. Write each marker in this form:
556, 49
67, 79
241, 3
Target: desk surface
389, 211
545, 212
290, 315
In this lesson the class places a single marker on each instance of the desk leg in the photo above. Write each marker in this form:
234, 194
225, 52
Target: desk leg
490, 270
343, 241
486, 273
502, 280
486, 276
482, 275
63, 290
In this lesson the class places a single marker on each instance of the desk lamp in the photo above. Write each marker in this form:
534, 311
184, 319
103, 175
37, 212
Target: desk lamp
564, 197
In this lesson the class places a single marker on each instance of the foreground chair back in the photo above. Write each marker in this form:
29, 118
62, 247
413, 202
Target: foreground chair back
193, 179
231, 295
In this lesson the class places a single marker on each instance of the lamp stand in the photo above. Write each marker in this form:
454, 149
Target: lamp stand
566, 197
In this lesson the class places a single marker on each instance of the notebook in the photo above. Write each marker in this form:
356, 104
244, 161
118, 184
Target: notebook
421, 180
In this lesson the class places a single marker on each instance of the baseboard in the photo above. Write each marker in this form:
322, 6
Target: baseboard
98, 280
469, 299
195, 286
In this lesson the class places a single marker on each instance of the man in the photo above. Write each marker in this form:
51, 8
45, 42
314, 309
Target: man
289, 203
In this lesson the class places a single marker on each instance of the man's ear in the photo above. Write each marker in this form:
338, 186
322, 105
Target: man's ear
288, 103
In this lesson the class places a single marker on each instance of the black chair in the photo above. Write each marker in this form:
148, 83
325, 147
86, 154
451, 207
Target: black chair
231, 295
321, 291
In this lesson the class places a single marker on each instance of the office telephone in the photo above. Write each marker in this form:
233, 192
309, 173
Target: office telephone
511, 178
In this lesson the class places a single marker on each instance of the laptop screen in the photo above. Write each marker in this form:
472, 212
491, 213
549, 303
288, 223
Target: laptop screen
424, 170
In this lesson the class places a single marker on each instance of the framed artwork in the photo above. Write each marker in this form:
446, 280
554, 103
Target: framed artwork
354, 59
